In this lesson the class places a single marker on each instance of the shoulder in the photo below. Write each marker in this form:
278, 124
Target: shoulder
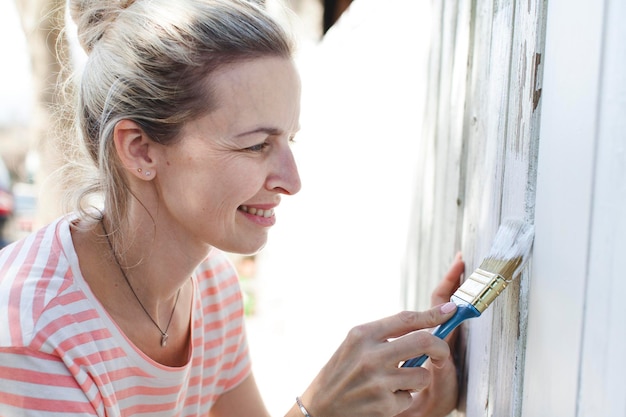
217, 270
218, 284
35, 273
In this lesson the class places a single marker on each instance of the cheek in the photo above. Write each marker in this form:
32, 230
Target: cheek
212, 186
239, 180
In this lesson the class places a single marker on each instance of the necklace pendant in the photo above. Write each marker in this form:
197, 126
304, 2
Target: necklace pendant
164, 338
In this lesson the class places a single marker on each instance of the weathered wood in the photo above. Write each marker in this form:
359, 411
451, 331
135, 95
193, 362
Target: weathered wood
518, 198
479, 166
437, 197
487, 106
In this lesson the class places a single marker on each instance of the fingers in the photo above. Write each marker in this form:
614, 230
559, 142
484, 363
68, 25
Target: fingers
413, 379
406, 322
418, 344
449, 283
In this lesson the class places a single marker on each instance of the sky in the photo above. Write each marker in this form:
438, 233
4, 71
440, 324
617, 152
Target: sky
15, 82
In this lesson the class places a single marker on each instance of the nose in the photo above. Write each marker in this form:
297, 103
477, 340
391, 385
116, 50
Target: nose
284, 177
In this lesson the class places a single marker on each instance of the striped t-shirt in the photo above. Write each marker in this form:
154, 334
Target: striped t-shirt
62, 355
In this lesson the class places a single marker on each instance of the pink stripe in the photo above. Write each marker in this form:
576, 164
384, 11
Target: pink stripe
227, 384
67, 320
11, 257
35, 377
130, 372
39, 297
215, 289
147, 391
15, 296
47, 404
149, 408
219, 306
215, 269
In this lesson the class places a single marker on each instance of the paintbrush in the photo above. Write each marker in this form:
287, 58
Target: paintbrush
508, 255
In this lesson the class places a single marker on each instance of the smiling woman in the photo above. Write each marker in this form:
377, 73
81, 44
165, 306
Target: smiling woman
187, 111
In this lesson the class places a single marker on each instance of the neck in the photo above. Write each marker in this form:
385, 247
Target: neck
155, 266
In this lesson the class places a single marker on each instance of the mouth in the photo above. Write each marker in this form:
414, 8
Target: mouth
257, 212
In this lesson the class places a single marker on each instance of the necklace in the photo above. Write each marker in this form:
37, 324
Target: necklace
164, 335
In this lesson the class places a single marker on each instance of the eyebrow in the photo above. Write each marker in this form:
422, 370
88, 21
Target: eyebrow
272, 131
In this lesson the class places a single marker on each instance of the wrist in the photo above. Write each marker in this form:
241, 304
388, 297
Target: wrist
302, 408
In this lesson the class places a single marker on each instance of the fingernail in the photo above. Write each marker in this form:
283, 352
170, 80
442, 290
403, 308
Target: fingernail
447, 308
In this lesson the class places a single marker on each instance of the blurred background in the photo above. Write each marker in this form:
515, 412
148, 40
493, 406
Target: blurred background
334, 259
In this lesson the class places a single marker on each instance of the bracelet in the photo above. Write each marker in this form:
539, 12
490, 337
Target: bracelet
301, 406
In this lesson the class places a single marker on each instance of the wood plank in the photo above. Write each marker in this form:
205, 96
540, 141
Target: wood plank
603, 364
563, 209
487, 105
518, 197
434, 241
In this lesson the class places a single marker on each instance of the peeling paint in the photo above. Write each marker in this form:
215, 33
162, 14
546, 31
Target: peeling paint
536, 91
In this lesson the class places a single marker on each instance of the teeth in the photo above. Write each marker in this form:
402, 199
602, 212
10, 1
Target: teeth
258, 212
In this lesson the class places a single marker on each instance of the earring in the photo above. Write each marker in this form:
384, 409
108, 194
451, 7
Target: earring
148, 173
139, 170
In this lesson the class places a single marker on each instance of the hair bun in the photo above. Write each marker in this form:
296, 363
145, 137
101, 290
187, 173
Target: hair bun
92, 18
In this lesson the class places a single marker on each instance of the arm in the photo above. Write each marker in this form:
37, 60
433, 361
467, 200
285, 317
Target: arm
363, 379
245, 400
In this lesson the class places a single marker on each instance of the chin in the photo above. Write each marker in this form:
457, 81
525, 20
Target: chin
253, 251
250, 248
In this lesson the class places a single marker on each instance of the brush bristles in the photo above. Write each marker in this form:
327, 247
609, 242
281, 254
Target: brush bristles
507, 269
509, 253
510, 250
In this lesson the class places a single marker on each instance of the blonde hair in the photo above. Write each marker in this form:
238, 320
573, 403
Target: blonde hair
149, 61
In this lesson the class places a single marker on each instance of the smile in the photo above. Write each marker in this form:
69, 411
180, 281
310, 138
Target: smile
257, 212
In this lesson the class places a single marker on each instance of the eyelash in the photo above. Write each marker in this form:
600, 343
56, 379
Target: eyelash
260, 147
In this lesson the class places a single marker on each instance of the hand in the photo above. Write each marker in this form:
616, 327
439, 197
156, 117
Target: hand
363, 378
440, 397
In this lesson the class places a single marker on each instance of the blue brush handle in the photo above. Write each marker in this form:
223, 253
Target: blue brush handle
463, 312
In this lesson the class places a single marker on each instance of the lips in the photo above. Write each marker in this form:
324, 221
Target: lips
267, 213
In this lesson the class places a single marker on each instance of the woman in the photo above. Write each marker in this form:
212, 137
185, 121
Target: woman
187, 109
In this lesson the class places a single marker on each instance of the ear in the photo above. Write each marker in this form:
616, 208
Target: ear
135, 149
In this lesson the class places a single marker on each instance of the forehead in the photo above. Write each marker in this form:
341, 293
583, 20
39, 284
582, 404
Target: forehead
262, 90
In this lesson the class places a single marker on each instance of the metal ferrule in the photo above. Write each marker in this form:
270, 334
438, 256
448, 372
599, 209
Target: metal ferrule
481, 288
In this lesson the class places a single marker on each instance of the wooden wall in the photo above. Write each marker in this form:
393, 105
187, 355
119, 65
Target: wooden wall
575, 362
478, 165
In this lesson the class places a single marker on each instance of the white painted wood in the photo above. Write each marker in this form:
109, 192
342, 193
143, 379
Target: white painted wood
563, 208
487, 107
603, 361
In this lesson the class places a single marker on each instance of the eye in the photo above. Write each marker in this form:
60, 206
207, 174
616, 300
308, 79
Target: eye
258, 147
